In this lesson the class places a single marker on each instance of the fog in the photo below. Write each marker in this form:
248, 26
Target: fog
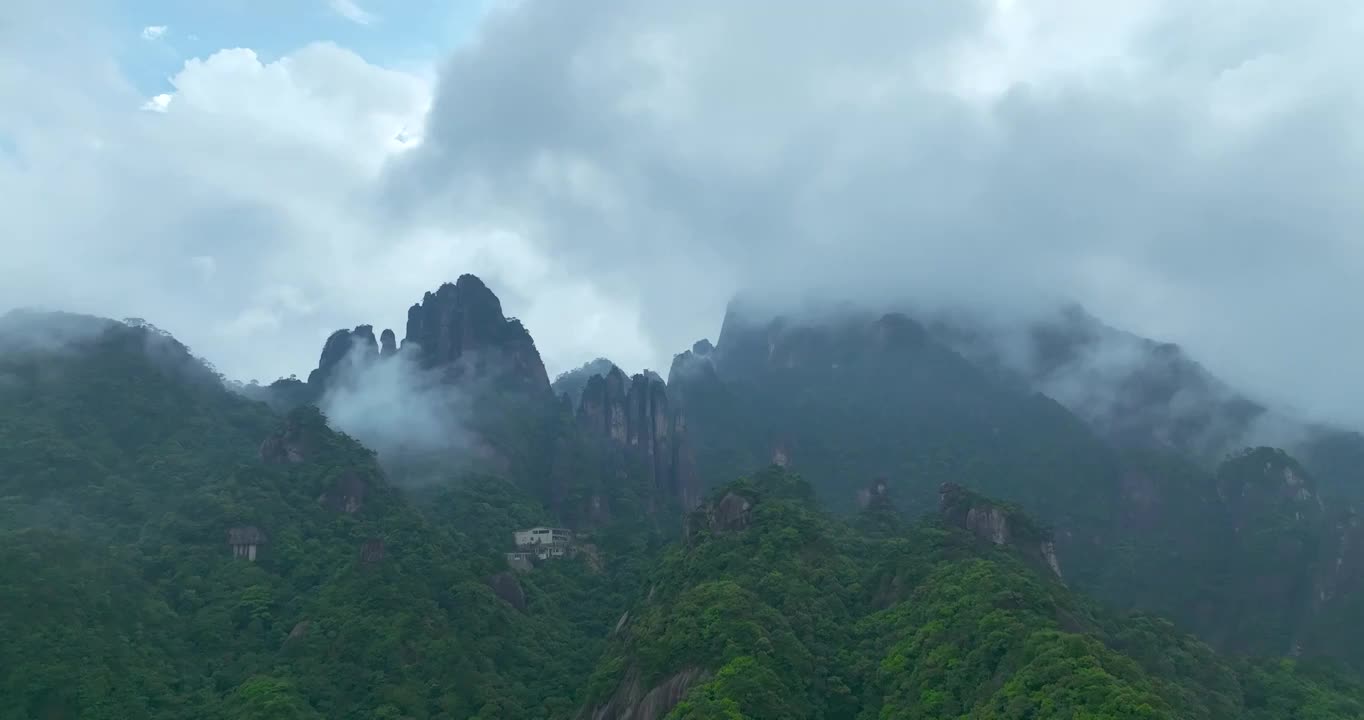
405, 413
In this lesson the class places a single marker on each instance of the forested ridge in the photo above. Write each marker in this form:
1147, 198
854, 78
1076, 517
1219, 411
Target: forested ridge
125, 462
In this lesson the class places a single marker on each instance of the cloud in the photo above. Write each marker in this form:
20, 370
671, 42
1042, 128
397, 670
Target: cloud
158, 103
153, 32
1181, 169
351, 11
418, 423
617, 170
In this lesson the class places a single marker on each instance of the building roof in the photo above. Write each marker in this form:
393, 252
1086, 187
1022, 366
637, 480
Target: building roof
249, 535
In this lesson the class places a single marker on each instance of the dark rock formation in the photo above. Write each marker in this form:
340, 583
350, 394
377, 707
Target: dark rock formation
347, 493
999, 524
602, 410
631, 701
572, 383
637, 419
372, 551
338, 349
508, 588
461, 328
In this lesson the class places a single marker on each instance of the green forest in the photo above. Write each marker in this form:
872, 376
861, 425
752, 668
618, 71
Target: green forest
126, 465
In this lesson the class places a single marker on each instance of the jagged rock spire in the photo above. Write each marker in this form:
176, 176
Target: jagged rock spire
461, 327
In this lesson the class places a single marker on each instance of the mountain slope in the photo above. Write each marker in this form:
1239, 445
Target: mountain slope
772, 609
1224, 550
129, 470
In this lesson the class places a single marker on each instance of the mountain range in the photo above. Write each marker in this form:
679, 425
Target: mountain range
831, 513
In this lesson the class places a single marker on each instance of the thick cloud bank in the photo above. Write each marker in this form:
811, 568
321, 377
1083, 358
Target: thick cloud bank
616, 170
1184, 169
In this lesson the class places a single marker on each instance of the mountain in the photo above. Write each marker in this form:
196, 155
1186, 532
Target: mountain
1134, 392
571, 383
173, 545
466, 392
1231, 552
771, 609
1138, 393
132, 485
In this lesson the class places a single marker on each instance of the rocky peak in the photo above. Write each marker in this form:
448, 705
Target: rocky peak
572, 382
339, 346
461, 327
997, 523
388, 343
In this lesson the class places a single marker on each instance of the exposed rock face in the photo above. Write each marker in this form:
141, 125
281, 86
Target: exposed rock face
288, 445
461, 328
632, 702
508, 588
300, 630
637, 419
1343, 570
731, 513
339, 346
347, 493
998, 524
1265, 483
602, 409
571, 383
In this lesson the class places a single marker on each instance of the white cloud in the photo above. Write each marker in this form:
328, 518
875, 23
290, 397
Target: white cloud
158, 103
349, 10
615, 170
153, 32
1179, 167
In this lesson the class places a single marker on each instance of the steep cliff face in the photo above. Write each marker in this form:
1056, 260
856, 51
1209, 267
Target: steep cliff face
633, 701
460, 328
635, 418
358, 346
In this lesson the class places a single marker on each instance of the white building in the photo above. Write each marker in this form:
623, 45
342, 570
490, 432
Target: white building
544, 542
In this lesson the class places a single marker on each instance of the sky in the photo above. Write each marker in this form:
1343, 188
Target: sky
252, 175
